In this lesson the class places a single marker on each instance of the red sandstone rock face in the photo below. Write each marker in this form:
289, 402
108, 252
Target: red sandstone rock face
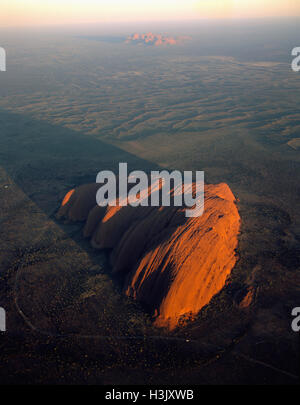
172, 264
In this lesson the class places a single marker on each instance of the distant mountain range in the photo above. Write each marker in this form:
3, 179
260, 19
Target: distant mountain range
154, 39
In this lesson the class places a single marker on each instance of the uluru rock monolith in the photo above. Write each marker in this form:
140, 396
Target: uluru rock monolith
172, 264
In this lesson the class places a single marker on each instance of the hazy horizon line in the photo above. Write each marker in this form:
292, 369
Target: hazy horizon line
139, 22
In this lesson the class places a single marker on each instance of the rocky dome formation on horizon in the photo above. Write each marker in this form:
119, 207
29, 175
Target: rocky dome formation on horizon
154, 39
172, 264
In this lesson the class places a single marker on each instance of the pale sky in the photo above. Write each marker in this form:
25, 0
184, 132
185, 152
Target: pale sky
44, 12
